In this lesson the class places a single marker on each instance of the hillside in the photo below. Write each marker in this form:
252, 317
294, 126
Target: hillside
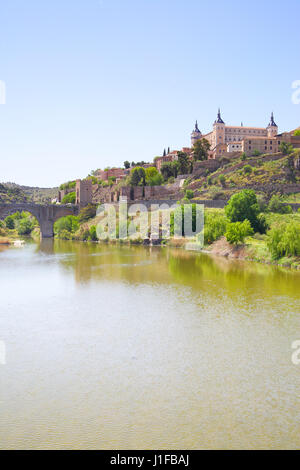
10, 192
266, 174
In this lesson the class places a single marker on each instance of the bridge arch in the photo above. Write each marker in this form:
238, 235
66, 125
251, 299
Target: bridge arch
45, 214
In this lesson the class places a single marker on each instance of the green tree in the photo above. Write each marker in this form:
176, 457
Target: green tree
214, 226
137, 176
284, 240
150, 172
184, 164
24, 226
285, 148
10, 222
153, 177
201, 149
297, 132
242, 206
126, 164
169, 169
236, 232
156, 180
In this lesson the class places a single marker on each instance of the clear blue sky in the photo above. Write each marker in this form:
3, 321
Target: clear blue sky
91, 83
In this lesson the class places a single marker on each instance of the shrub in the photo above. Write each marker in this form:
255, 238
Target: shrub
244, 156
209, 180
10, 222
262, 204
284, 240
68, 185
277, 206
214, 227
256, 153
216, 194
261, 225
189, 194
247, 169
66, 224
24, 226
69, 198
291, 239
93, 233
87, 213
236, 232
93, 178
65, 235
84, 235
222, 180
157, 180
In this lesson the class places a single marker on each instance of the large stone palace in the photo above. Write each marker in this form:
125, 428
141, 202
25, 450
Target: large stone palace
225, 139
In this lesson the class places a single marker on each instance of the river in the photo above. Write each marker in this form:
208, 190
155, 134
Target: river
113, 347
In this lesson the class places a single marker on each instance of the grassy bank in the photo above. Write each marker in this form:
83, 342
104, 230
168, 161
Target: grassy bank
257, 247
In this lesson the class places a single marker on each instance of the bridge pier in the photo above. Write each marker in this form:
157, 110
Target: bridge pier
46, 227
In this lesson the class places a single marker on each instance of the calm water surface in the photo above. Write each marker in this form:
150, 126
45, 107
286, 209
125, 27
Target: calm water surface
131, 347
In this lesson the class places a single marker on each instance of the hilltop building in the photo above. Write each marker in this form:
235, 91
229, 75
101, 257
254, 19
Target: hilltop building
226, 139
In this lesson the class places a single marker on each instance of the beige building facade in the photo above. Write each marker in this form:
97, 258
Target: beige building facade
224, 139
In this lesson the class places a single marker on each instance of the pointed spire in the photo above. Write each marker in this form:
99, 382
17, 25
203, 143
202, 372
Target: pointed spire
242, 125
164, 154
219, 119
196, 128
272, 122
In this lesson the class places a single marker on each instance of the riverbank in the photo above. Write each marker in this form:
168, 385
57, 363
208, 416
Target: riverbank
253, 250
279, 245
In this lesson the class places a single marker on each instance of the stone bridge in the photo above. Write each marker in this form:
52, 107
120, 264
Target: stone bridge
45, 214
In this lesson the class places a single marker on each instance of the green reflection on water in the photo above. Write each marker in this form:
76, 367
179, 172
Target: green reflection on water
136, 264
